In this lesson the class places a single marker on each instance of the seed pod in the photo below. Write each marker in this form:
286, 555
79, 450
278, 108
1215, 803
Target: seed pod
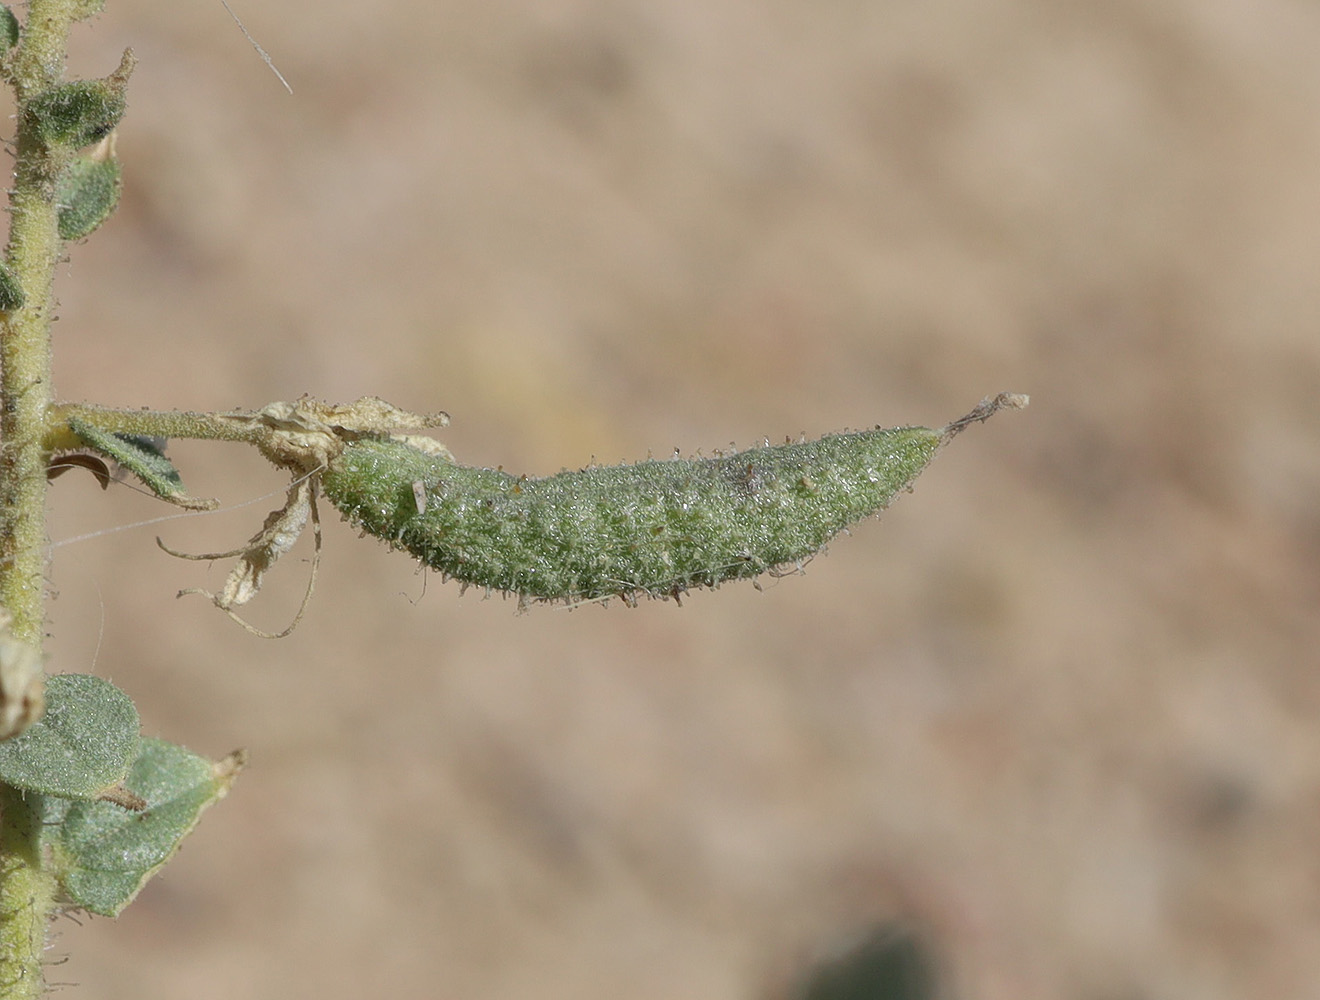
656, 528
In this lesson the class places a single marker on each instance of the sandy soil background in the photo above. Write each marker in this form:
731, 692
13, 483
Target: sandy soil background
1057, 710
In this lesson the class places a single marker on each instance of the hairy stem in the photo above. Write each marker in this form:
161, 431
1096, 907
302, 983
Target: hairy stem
26, 890
25, 354
149, 423
27, 898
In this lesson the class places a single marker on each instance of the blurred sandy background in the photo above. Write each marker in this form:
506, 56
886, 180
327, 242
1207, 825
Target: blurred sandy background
1059, 710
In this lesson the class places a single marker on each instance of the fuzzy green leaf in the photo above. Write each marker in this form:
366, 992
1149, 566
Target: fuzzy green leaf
11, 292
9, 30
77, 113
87, 194
81, 747
105, 853
141, 456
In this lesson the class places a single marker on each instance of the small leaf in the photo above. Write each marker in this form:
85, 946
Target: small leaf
11, 292
83, 745
143, 457
9, 29
80, 112
105, 853
76, 114
88, 191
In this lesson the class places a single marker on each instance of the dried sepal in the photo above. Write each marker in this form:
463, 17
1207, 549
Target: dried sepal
123, 797
303, 436
982, 412
59, 466
307, 434
279, 533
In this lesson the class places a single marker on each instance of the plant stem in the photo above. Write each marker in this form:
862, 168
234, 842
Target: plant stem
25, 353
27, 898
148, 423
26, 890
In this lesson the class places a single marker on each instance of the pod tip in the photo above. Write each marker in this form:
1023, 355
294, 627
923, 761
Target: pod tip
983, 411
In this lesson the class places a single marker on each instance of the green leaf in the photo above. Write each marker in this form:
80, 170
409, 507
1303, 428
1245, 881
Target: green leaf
87, 193
78, 113
143, 457
11, 292
9, 29
81, 747
105, 853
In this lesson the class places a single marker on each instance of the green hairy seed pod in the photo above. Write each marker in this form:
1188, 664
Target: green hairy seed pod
656, 528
